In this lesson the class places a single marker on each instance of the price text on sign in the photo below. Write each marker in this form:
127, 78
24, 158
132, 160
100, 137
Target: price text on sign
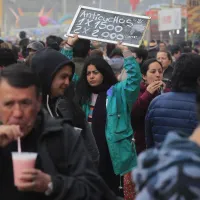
109, 26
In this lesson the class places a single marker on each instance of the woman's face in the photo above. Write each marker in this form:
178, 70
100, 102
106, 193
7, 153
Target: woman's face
162, 57
154, 73
94, 77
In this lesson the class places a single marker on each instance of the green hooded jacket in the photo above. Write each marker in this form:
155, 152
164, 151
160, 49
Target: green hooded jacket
119, 133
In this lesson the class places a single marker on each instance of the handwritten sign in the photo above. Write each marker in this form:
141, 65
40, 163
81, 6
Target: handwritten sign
108, 26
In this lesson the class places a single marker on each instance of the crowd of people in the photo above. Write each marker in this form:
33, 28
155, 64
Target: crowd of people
106, 120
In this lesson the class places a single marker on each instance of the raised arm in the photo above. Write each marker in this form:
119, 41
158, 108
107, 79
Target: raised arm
67, 48
131, 85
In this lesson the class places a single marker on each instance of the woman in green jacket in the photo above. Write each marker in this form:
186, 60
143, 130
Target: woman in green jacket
107, 104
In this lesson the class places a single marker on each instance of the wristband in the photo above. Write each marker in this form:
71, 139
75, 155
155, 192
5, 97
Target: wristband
69, 44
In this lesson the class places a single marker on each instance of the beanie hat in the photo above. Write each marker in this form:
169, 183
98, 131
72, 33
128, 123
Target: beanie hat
35, 46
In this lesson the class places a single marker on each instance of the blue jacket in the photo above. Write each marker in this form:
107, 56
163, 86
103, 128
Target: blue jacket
171, 111
170, 172
119, 133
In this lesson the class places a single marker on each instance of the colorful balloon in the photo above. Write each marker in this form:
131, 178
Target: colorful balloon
44, 20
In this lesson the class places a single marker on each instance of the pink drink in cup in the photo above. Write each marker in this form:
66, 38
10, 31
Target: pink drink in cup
21, 161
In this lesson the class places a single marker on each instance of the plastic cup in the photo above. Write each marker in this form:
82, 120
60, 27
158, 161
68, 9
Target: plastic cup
21, 161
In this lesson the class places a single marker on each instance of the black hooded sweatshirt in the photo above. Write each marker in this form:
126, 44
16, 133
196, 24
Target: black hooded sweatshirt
46, 63
61, 154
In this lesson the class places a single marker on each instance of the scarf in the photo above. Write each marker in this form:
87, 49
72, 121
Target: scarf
99, 125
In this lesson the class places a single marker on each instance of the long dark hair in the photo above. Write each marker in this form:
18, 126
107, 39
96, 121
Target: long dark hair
83, 90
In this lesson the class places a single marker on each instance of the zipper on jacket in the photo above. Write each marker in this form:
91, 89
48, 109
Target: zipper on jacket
133, 142
120, 181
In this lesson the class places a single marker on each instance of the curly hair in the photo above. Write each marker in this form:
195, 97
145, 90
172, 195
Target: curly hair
186, 73
83, 90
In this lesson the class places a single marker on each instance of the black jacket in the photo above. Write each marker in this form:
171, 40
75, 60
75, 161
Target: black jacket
168, 73
61, 154
65, 158
167, 76
81, 125
46, 63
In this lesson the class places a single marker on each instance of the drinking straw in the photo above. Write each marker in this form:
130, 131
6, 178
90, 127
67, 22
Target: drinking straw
19, 149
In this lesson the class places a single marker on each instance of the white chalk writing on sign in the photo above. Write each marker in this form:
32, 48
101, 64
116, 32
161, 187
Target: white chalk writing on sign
109, 26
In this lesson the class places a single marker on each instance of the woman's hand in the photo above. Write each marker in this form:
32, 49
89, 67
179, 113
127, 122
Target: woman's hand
154, 86
122, 47
71, 40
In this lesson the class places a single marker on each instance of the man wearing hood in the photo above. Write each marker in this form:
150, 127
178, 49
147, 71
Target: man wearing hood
55, 72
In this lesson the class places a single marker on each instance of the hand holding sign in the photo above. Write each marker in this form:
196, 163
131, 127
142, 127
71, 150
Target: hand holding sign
122, 47
72, 40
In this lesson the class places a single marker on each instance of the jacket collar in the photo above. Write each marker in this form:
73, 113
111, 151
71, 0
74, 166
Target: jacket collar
169, 68
143, 86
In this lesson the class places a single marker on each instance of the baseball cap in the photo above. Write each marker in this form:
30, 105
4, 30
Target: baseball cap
35, 46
